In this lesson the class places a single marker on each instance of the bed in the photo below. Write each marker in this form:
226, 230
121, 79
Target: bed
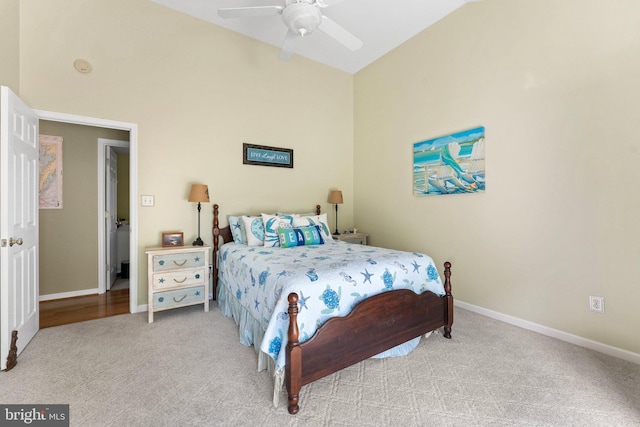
311, 309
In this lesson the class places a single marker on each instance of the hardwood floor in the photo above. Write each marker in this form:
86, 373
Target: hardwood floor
78, 309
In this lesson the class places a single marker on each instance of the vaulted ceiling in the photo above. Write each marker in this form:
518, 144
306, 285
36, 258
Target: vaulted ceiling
382, 25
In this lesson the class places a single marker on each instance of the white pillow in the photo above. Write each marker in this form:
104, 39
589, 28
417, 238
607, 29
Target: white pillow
254, 228
320, 220
295, 215
271, 224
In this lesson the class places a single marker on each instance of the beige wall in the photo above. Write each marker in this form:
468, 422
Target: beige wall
197, 92
69, 236
556, 85
10, 44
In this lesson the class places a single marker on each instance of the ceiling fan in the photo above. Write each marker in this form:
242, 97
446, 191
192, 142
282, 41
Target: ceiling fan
301, 17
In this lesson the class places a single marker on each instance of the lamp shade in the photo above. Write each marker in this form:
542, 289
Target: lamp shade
199, 193
335, 197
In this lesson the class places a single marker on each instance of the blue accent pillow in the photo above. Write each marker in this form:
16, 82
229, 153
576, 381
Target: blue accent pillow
237, 229
301, 236
271, 225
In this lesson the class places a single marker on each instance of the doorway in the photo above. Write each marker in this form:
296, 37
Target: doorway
97, 269
79, 309
20, 295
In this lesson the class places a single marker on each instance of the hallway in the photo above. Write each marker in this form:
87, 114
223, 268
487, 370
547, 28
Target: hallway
79, 309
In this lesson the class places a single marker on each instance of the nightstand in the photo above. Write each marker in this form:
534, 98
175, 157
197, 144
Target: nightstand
359, 238
177, 277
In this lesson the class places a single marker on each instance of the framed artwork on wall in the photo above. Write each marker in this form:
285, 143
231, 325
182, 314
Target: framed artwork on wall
50, 164
450, 164
267, 156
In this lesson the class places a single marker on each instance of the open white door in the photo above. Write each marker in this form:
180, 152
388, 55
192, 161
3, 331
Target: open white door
111, 214
19, 172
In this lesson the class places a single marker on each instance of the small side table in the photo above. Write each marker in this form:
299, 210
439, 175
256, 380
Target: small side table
177, 277
357, 238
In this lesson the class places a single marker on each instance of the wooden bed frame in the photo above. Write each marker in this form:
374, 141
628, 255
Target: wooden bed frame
400, 315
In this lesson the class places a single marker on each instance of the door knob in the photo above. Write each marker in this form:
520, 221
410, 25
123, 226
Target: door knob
18, 241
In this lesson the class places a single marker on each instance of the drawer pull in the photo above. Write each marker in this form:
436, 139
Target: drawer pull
180, 281
178, 300
180, 264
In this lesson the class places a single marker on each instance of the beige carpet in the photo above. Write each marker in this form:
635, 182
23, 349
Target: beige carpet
188, 369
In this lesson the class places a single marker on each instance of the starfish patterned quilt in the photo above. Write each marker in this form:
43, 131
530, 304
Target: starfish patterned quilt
330, 279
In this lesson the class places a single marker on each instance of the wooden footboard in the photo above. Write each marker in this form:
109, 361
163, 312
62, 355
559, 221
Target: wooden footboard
374, 325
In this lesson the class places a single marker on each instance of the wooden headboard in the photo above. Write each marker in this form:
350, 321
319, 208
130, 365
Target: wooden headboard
227, 237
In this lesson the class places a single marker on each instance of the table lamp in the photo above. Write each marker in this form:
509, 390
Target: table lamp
335, 197
199, 193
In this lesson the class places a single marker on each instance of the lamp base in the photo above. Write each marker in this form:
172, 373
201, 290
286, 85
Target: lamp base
198, 242
336, 233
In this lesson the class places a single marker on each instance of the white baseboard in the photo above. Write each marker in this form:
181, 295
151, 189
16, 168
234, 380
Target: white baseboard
68, 294
142, 308
554, 333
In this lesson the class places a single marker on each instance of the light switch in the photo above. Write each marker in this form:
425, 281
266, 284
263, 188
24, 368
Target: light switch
147, 200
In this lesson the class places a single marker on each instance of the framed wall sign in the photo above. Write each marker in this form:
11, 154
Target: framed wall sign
267, 156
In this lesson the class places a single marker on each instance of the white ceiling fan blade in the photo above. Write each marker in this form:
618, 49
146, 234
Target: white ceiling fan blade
249, 12
289, 45
341, 35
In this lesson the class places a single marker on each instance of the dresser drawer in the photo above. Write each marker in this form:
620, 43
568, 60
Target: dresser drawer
178, 297
165, 262
172, 279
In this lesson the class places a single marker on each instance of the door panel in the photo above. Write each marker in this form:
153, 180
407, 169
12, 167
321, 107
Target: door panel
19, 280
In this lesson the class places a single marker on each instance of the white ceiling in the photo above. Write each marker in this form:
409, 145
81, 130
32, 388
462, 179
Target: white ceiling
381, 24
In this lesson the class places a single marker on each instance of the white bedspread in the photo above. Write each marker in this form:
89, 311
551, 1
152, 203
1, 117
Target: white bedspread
330, 280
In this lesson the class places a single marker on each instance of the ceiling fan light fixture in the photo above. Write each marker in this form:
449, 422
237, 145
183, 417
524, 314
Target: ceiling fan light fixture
302, 18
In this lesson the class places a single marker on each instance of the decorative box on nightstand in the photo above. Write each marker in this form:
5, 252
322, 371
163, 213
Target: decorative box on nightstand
359, 238
177, 277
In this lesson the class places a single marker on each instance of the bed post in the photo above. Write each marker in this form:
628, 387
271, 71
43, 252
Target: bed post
447, 289
317, 209
214, 259
293, 370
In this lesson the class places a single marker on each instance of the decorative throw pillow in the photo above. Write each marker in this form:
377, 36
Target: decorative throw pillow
271, 225
320, 220
237, 229
301, 236
295, 215
254, 230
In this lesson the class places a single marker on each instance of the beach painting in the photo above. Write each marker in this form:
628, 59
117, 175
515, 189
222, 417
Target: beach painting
450, 164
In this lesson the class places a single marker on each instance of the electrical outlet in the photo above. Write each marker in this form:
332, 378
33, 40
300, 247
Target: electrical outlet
596, 304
